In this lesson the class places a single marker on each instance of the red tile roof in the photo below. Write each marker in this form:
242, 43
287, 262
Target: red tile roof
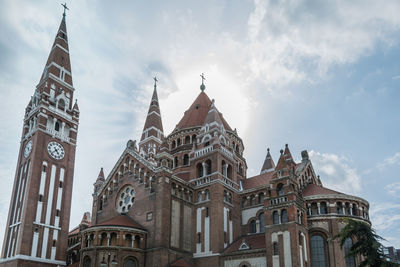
180, 263
259, 180
253, 241
197, 113
313, 189
121, 220
74, 231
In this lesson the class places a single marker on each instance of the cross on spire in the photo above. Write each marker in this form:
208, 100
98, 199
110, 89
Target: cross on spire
65, 8
202, 86
155, 81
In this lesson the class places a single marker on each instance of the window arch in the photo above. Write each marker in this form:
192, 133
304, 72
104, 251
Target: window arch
61, 104
262, 222
323, 208
175, 162
208, 165
186, 159
318, 253
253, 227
275, 217
275, 248
130, 262
57, 126
87, 262
284, 216
199, 168
187, 139
207, 194
350, 261
280, 190
178, 142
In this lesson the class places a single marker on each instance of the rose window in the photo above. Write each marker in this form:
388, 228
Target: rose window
125, 199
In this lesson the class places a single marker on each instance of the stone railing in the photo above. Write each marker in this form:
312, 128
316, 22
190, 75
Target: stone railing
57, 134
203, 151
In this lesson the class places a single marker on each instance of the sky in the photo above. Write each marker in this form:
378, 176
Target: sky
322, 76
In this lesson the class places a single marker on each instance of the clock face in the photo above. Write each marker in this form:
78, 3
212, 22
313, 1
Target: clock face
28, 149
56, 150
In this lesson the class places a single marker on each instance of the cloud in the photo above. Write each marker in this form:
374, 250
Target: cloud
336, 172
393, 160
385, 215
393, 189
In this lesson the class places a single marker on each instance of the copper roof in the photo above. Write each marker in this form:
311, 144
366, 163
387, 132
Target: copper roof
253, 241
121, 220
313, 189
258, 180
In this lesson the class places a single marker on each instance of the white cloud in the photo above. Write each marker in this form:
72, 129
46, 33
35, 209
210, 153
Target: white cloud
393, 189
393, 160
336, 172
385, 215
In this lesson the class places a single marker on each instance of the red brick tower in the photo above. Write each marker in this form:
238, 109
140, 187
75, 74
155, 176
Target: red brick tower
38, 219
286, 232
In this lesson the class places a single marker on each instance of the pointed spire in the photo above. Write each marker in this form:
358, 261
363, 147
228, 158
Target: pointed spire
100, 177
58, 64
269, 164
76, 105
153, 125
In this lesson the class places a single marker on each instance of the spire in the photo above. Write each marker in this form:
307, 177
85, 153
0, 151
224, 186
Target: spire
285, 160
153, 127
269, 164
213, 115
58, 65
100, 177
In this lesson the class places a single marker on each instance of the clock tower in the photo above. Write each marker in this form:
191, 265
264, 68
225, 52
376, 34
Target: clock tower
38, 220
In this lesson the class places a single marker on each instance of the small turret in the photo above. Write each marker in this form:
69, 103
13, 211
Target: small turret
99, 181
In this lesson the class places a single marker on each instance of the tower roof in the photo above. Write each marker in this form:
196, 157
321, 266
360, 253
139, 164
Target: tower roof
285, 160
269, 164
213, 115
197, 113
58, 58
101, 175
153, 119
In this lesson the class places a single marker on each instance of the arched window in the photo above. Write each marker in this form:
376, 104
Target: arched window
173, 144
252, 226
113, 239
280, 190
318, 258
323, 208
350, 261
61, 104
186, 159
104, 239
178, 142
229, 172
207, 194
199, 168
314, 208
194, 138
355, 210
130, 263
208, 162
275, 217
347, 208
262, 222
176, 162
284, 216
199, 197
87, 262
275, 248
339, 208
57, 126
187, 139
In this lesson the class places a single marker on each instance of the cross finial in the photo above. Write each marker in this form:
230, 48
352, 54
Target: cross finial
155, 81
65, 8
202, 86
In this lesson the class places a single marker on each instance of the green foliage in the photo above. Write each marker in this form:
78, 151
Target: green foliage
365, 243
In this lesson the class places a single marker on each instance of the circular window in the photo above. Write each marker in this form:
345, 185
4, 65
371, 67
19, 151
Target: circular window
125, 199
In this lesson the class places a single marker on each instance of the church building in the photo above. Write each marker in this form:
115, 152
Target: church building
171, 199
